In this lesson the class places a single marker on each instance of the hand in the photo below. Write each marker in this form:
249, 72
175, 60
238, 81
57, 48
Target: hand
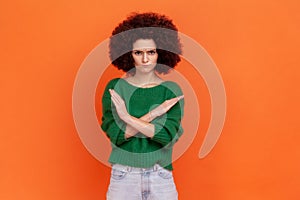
165, 106
119, 104
130, 131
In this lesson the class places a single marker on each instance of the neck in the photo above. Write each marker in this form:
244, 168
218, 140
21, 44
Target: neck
144, 78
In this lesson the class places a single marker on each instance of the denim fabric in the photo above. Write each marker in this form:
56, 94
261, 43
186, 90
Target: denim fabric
130, 183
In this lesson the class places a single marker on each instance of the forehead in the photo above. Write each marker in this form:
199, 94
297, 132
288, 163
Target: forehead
144, 44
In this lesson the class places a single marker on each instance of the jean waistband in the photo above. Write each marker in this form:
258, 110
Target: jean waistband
136, 169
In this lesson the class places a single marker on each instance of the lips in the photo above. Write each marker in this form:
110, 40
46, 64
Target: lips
148, 65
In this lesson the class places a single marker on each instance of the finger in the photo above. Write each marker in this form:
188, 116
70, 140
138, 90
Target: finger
116, 96
113, 98
176, 99
179, 97
169, 103
114, 101
172, 102
112, 94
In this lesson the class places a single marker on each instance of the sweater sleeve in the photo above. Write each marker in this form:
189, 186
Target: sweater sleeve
168, 126
111, 124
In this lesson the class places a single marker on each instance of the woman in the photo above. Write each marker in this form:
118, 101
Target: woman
142, 113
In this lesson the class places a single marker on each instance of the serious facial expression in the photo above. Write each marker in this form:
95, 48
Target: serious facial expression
144, 55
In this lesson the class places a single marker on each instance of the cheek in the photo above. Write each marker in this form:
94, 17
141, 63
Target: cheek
135, 59
155, 58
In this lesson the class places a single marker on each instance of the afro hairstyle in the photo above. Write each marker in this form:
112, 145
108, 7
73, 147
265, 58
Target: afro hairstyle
147, 25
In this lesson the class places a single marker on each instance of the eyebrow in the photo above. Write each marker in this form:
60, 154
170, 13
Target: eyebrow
154, 49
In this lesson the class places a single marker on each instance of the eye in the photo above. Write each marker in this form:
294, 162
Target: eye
152, 52
137, 53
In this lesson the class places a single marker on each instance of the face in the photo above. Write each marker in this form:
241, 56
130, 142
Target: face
144, 55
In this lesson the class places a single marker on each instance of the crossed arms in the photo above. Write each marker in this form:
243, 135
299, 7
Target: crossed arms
143, 125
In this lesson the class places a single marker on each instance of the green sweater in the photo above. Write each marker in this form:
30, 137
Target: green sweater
139, 150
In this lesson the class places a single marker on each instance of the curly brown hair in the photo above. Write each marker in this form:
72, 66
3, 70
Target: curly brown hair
147, 25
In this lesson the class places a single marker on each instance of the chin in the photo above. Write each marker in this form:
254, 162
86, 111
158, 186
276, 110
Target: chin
146, 67
145, 71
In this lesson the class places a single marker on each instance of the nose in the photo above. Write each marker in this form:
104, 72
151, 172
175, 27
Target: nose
145, 58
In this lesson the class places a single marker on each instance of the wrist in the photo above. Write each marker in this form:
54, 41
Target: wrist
126, 118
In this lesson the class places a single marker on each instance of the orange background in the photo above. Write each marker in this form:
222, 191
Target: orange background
255, 45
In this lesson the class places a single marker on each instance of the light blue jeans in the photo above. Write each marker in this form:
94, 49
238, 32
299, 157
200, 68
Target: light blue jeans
130, 183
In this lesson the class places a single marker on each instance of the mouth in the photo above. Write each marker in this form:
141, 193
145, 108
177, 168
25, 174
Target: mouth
148, 65
145, 65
